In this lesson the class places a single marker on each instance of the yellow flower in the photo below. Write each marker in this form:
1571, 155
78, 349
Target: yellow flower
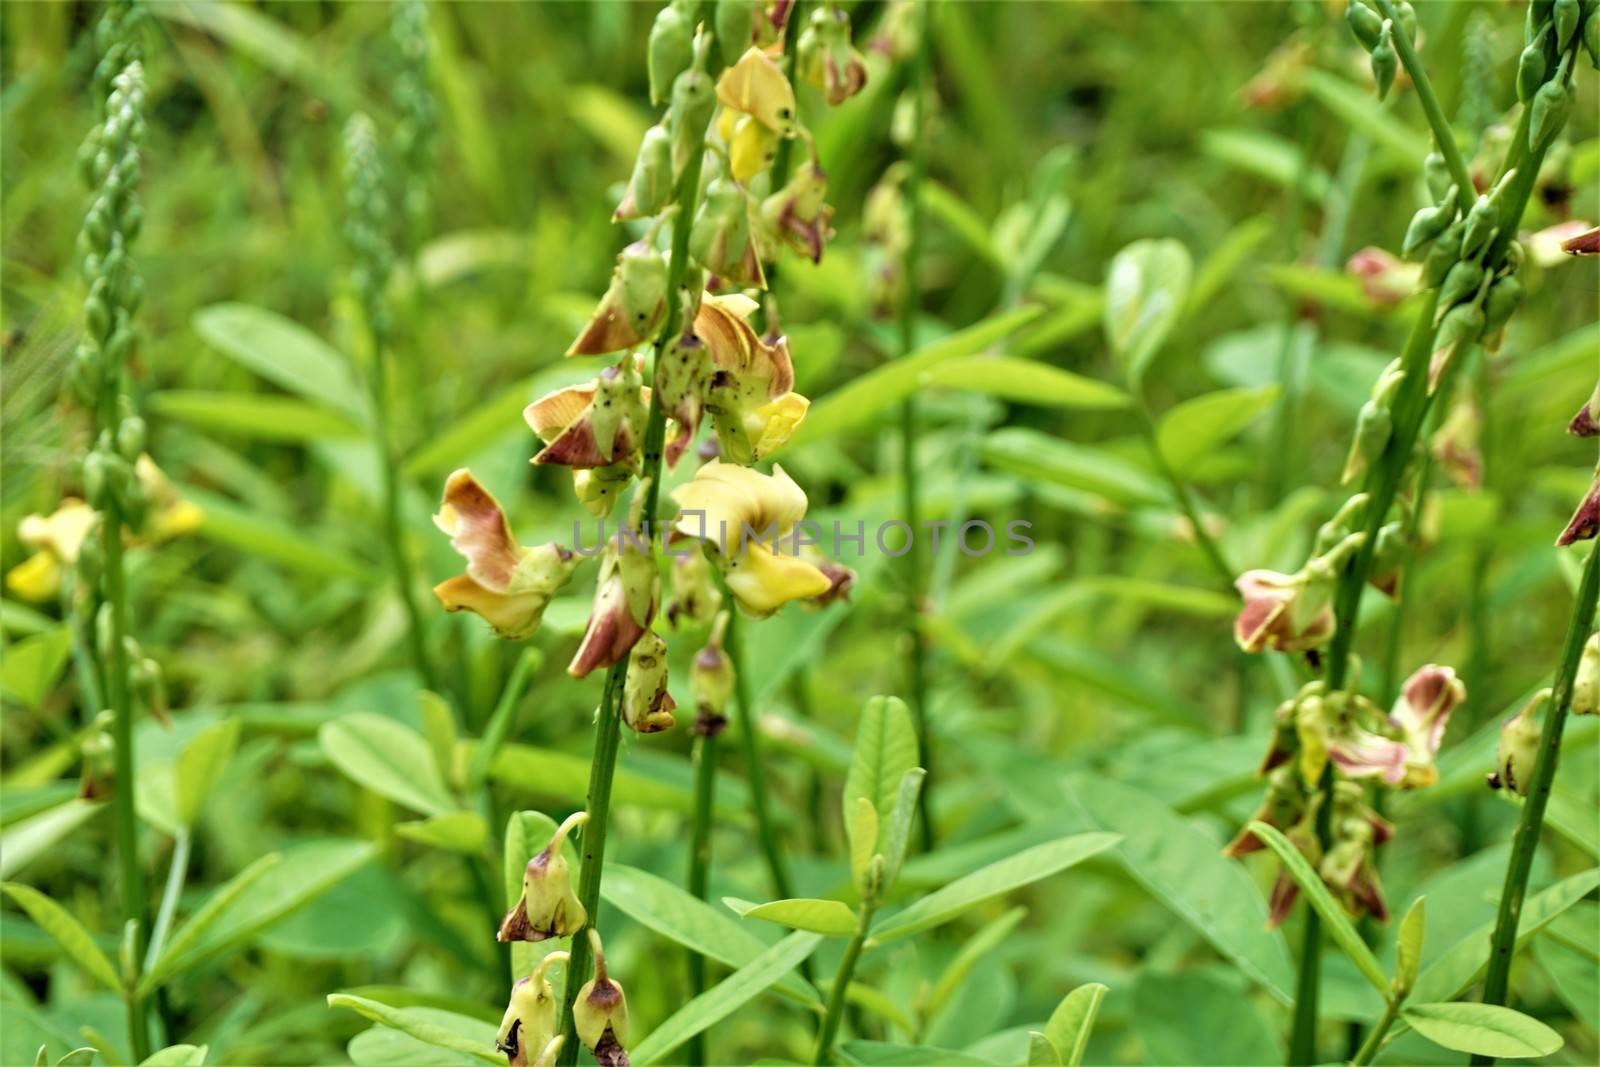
749, 396
169, 514
56, 540
756, 86
751, 518
507, 584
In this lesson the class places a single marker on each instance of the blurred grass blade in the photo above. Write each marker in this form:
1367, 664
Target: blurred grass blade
67, 932
469, 1040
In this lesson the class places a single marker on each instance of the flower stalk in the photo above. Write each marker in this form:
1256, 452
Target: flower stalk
841, 985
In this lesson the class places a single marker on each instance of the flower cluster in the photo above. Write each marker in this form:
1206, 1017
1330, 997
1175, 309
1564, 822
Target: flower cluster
676, 327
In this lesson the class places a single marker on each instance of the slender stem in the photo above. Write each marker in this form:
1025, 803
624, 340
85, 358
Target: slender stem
750, 741
705, 785
394, 540
910, 502
1525, 842
494, 735
1369, 1048
1443, 134
841, 983
1180, 490
177, 873
1278, 456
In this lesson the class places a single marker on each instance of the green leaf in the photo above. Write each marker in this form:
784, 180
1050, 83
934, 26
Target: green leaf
886, 1054
1031, 454
284, 353
1201, 1016
977, 947
259, 416
229, 523
1359, 110
470, 433
31, 666
861, 828
387, 757
1225, 259
1186, 871
268, 890
867, 394
1448, 976
28, 838
1041, 1053
828, 917
439, 730
886, 748
992, 881
1266, 156
1194, 429
691, 922
472, 1037
897, 835
458, 831
177, 1056
83, 1057
1483, 1030
724, 998
67, 932
201, 765
1333, 916
1145, 291
1408, 946
1025, 382
1072, 1022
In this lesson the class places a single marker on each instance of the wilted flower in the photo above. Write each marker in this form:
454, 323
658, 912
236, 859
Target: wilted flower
646, 704
1348, 868
756, 86
711, 681
720, 238
1418, 720
507, 584
750, 516
824, 56
1586, 685
1585, 522
598, 424
529, 1023
600, 1014
547, 907
1286, 612
650, 184
1586, 423
1586, 243
1549, 247
1518, 753
1385, 278
624, 603
633, 307
56, 540
798, 212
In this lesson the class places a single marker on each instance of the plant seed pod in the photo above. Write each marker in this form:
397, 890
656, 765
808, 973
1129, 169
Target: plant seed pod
1444, 254
1519, 748
633, 307
1365, 23
1531, 69
650, 184
671, 49
1566, 20
1501, 302
1429, 223
547, 907
1385, 60
646, 705
600, 1014
1549, 110
1462, 281
735, 25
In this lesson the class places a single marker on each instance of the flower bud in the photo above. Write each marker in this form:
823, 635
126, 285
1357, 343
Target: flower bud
1566, 19
1586, 423
1457, 446
720, 239
1384, 279
646, 705
1436, 173
1461, 326
1591, 37
671, 49
97, 479
529, 1024
1365, 23
824, 56
1501, 302
1462, 281
1374, 426
131, 438
1385, 60
1549, 110
1348, 869
650, 185
711, 679
1388, 557
547, 907
1585, 521
1442, 256
735, 27
1519, 748
1408, 19
1429, 223
1482, 222
690, 113
600, 1014
1586, 684
1531, 69
799, 213
633, 307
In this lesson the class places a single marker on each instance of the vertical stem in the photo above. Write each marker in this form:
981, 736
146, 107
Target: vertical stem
841, 983
1525, 842
911, 299
705, 785
1369, 1048
780, 162
750, 741
1180, 490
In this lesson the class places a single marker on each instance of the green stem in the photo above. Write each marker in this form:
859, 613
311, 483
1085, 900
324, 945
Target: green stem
755, 766
176, 875
1525, 842
1443, 134
1185, 499
841, 984
494, 735
910, 502
705, 786
1369, 1048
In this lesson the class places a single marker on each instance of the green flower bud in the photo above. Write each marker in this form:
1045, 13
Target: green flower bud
1549, 110
1591, 37
1437, 174
131, 438
547, 907
1429, 223
671, 49
1501, 302
646, 705
1462, 281
711, 681
85, 374
1566, 19
735, 26
1373, 428
1519, 748
1530, 70
1388, 556
1365, 23
650, 185
693, 100
1481, 223
1444, 254
720, 238
97, 480
633, 307
1461, 326
1385, 61
1408, 19
600, 1013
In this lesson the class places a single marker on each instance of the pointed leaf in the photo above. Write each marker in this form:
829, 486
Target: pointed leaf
67, 932
898, 833
886, 748
1073, 1021
1023, 381
1483, 1030
283, 352
828, 917
473, 1038
201, 765
388, 758
977, 947
458, 831
1408, 946
1041, 1053
176, 1056
1194, 429
1145, 292
32, 665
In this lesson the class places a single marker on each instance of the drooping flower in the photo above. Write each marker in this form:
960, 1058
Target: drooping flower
798, 213
1518, 752
598, 424
1348, 867
756, 86
720, 238
750, 391
507, 584
750, 517
1586, 423
625, 600
1282, 807
1285, 612
1586, 683
529, 1024
56, 540
711, 680
547, 906
600, 1014
1403, 756
1385, 279
633, 307
825, 57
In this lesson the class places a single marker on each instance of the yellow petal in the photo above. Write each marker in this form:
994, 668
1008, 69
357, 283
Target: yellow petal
36, 578
770, 426
554, 412
478, 529
514, 616
763, 581
756, 86
62, 532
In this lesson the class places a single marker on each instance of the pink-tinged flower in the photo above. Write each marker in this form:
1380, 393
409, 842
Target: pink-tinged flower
1585, 522
799, 214
1364, 754
624, 603
1586, 243
507, 584
1419, 719
1553, 245
825, 57
1384, 278
1586, 423
597, 424
1285, 612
